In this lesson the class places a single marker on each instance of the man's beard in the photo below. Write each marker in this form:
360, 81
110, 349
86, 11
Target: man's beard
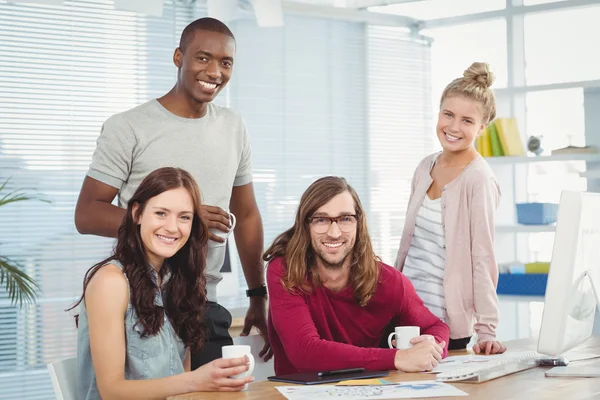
333, 266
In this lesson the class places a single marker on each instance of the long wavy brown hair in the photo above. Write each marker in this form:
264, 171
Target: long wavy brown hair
295, 244
184, 294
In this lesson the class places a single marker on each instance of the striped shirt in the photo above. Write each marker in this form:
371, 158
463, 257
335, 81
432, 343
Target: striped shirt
426, 258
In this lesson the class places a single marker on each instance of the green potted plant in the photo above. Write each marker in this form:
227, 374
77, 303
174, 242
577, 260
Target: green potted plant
20, 287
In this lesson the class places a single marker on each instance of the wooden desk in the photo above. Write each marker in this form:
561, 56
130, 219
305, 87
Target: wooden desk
525, 385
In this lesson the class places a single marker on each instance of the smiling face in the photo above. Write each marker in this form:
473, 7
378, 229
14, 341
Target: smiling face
165, 224
334, 247
460, 121
206, 65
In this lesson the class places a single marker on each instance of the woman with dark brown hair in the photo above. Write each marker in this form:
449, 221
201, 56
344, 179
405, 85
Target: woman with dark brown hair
141, 310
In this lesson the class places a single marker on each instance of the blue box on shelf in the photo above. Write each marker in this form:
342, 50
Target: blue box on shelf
522, 284
536, 213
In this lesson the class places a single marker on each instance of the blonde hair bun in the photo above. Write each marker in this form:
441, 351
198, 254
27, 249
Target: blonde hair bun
480, 73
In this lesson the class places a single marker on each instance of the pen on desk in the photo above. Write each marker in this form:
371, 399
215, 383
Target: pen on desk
340, 371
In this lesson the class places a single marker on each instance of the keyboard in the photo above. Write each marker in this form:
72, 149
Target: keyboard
492, 369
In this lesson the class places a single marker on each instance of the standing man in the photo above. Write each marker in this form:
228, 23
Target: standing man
184, 129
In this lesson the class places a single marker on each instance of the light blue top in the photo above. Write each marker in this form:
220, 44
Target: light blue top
151, 357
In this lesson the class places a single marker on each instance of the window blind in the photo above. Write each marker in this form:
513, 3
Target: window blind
401, 128
319, 97
327, 97
63, 71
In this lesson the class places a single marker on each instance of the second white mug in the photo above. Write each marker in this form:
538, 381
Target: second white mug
403, 336
239, 350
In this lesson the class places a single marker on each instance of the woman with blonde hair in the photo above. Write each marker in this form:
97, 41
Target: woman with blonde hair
447, 245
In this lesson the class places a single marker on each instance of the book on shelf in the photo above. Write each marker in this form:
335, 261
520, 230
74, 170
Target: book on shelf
497, 150
536, 267
509, 136
575, 150
500, 138
483, 143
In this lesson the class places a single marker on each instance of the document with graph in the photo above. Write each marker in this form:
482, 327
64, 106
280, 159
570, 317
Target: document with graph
401, 390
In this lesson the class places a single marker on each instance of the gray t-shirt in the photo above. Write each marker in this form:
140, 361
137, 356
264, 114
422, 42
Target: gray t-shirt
214, 149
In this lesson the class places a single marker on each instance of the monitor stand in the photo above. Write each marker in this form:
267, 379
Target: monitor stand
553, 361
561, 361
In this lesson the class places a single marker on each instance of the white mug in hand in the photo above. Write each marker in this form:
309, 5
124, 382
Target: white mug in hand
235, 351
221, 234
403, 336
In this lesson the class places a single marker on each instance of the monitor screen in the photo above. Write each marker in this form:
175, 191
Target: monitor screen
573, 288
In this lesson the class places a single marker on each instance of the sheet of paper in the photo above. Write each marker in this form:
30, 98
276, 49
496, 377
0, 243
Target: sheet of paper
364, 382
576, 355
402, 390
453, 362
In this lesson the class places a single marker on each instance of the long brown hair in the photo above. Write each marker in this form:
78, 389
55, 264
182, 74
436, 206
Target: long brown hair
295, 244
184, 293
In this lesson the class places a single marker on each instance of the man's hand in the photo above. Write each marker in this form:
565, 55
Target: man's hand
257, 316
419, 339
215, 218
489, 347
423, 356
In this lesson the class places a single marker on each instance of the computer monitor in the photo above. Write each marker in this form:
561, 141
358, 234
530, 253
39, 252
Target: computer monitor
573, 288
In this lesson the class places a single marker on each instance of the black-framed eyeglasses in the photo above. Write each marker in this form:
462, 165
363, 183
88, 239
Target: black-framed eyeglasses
321, 224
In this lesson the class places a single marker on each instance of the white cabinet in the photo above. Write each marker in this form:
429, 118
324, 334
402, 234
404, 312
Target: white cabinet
535, 179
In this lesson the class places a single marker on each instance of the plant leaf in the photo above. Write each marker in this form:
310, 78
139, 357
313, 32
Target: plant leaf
21, 287
14, 196
4, 184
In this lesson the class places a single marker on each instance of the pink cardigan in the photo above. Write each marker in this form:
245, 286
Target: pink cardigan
469, 203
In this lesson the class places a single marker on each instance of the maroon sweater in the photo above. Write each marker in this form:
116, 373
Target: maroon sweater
325, 330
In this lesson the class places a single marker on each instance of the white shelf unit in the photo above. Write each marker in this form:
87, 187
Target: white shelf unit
525, 228
590, 157
512, 239
593, 174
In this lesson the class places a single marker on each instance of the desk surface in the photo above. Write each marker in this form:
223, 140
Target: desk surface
527, 385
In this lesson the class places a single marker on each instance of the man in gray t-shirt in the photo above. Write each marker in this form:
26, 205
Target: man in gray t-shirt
184, 129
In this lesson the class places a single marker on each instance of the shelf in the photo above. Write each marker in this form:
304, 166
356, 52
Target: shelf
593, 157
525, 228
590, 174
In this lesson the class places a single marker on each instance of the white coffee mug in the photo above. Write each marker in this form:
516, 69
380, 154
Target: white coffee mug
239, 350
403, 336
221, 234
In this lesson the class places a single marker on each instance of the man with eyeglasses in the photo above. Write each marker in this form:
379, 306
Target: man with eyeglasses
331, 298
